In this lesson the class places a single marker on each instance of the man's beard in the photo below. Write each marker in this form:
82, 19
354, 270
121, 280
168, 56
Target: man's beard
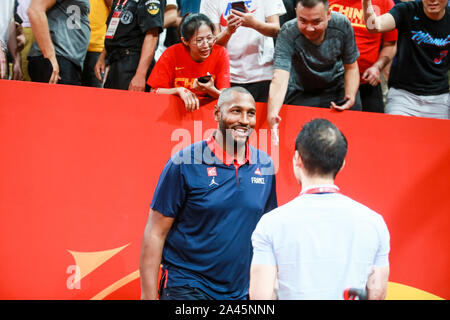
230, 141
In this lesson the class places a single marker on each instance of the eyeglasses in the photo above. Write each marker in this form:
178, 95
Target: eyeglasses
209, 41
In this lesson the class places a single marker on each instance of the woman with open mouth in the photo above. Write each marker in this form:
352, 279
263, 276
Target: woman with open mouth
196, 69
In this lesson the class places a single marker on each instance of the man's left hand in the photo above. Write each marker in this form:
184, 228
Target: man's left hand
137, 83
17, 70
350, 102
372, 76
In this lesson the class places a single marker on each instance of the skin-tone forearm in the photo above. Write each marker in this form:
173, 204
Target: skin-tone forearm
174, 91
12, 40
223, 35
147, 52
372, 74
351, 86
14, 51
351, 76
386, 55
262, 282
20, 36
151, 252
208, 87
268, 28
377, 283
39, 25
100, 66
170, 16
189, 98
150, 260
277, 93
214, 92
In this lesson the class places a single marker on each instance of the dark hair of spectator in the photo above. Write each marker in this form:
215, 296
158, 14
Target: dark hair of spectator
311, 3
322, 147
191, 22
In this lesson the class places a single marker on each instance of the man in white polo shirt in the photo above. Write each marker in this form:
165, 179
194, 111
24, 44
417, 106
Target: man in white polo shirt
322, 242
247, 32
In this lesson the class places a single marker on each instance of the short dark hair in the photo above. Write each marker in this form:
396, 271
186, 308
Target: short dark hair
225, 95
311, 3
322, 147
190, 24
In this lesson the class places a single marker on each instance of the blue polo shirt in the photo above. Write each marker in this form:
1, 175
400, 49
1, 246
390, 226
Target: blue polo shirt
216, 204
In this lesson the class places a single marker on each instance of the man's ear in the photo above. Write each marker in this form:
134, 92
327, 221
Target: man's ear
298, 159
216, 113
343, 165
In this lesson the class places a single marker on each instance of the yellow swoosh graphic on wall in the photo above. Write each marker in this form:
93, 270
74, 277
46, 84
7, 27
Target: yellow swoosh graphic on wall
398, 291
116, 285
89, 261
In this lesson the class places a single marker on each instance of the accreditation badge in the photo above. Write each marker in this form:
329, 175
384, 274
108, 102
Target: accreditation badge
113, 24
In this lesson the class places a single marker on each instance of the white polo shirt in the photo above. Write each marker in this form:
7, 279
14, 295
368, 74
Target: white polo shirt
321, 245
250, 52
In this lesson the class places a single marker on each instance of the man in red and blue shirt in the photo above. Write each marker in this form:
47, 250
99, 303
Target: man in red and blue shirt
207, 203
376, 50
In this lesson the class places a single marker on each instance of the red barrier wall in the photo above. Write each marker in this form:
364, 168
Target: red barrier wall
78, 167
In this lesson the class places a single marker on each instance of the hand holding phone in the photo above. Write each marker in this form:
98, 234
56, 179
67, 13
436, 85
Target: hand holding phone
342, 104
204, 79
342, 101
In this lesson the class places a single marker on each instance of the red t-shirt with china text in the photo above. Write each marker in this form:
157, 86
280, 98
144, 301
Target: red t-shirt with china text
175, 68
368, 43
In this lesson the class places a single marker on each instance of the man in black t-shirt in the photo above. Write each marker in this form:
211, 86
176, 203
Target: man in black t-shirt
419, 76
289, 5
130, 43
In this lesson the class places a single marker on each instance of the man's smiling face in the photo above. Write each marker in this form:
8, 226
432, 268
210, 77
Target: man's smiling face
237, 118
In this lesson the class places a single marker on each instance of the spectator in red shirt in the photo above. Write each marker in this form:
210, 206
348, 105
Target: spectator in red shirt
179, 67
376, 50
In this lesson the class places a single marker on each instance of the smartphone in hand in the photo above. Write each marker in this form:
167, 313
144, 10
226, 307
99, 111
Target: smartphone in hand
239, 6
204, 79
341, 102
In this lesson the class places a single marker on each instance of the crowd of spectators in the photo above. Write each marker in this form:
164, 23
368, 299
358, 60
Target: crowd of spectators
319, 53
